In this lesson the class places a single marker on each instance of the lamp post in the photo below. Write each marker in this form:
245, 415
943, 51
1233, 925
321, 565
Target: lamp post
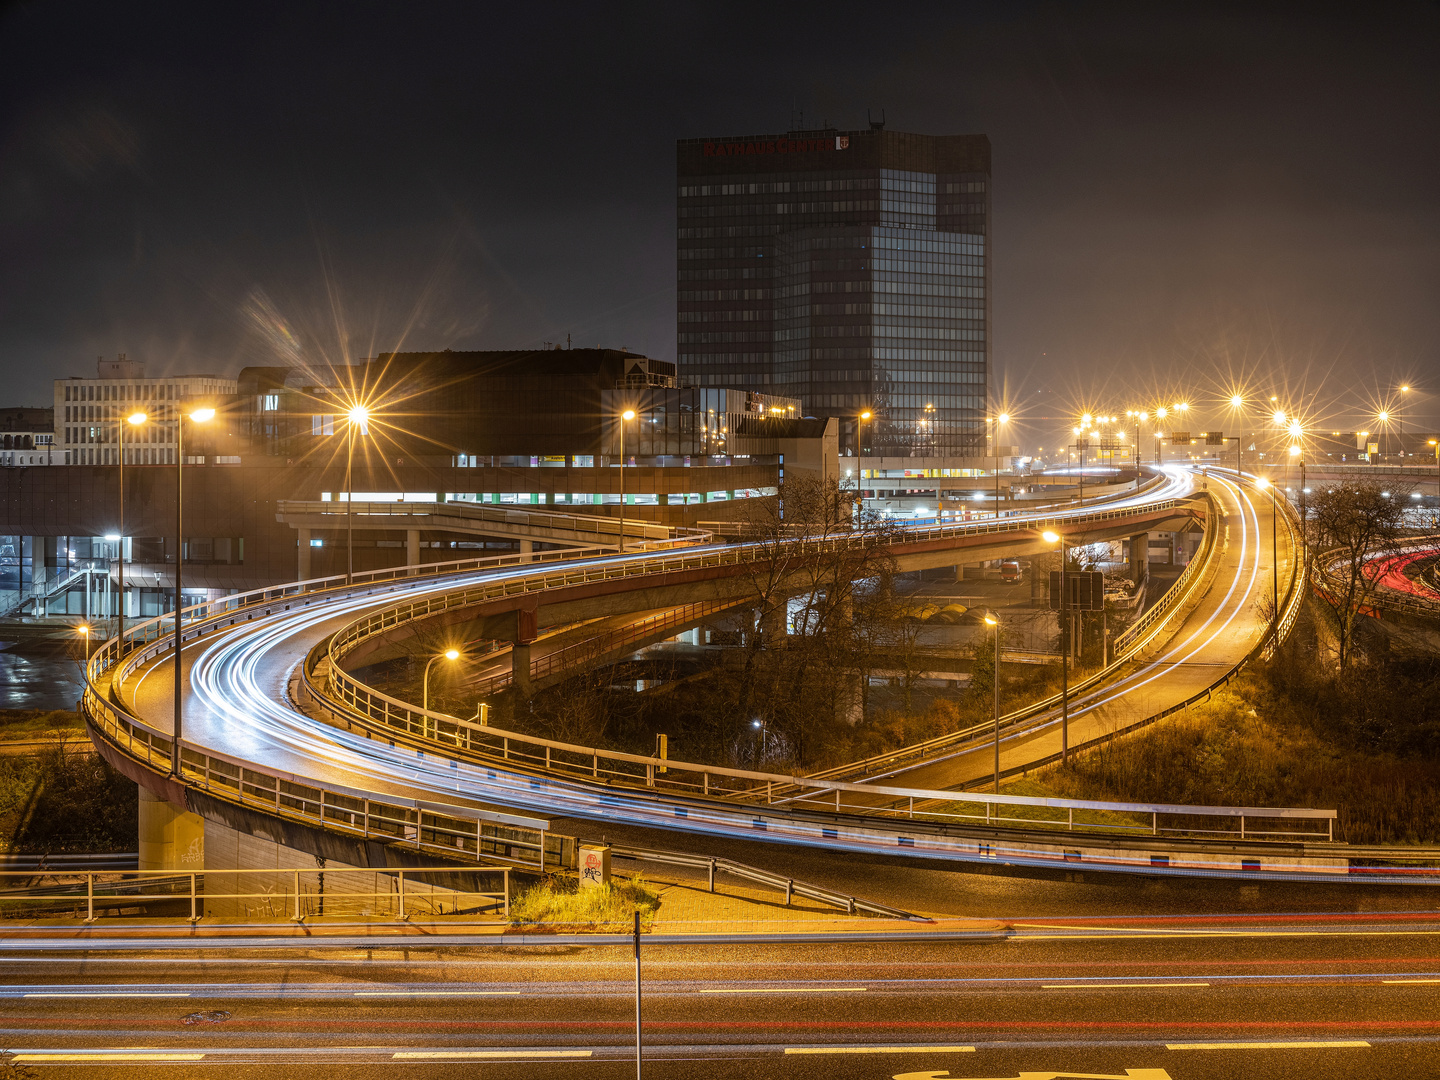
1237, 407
84, 631
862, 420
1436, 443
356, 418
993, 620
1004, 418
1263, 483
625, 418
448, 654
1056, 538
135, 419
200, 416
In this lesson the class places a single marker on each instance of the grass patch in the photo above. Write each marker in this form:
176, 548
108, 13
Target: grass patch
57, 802
39, 723
560, 905
1246, 748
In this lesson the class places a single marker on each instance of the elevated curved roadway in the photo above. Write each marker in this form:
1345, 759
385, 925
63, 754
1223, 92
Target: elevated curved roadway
246, 743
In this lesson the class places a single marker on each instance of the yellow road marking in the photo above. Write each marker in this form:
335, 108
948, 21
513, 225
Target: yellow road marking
1407, 982
1347, 1045
879, 1050
445, 1055
432, 994
792, 990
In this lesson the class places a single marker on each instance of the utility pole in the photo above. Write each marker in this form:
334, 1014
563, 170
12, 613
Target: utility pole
637, 995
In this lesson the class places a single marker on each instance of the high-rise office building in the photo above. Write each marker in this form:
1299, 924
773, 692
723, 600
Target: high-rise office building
849, 269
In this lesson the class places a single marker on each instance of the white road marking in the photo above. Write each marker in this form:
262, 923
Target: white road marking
434, 993
108, 1055
1114, 986
112, 994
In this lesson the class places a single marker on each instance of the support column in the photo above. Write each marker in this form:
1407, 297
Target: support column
773, 622
527, 547
412, 549
303, 554
520, 667
170, 839
1139, 556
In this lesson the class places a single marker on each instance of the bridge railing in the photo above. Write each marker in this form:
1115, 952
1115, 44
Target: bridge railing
503, 514
1324, 577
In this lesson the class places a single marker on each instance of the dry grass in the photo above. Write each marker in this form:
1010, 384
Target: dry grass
1245, 747
560, 905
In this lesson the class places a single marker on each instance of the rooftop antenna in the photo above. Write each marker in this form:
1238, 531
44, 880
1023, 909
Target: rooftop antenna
567, 341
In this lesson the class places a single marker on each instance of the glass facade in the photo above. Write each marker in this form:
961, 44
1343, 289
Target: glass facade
851, 288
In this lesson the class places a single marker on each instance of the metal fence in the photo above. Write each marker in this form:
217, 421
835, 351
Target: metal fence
291, 894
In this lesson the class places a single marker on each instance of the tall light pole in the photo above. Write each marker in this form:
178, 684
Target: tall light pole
1436, 443
448, 654
135, 419
200, 416
1237, 407
863, 419
1400, 422
356, 420
1003, 418
625, 418
1262, 483
1056, 538
991, 619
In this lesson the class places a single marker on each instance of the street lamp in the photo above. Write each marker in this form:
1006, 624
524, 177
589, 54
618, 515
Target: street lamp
1262, 483
625, 418
200, 416
991, 619
1384, 417
84, 631
1055, 538
358, 419
448, 654
1436, 443
135, 419
1003, 418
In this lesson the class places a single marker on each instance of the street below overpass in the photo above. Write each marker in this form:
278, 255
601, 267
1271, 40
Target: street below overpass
1228, 621
1187, 997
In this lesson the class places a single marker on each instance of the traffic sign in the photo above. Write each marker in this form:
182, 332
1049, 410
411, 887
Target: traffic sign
1086, 589
1179, 437
1214, 438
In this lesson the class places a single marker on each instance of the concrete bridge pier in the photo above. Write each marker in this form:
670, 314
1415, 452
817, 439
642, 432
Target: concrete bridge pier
773, 621
170, 838
527, 547
303, 553
412, 550
1139, 556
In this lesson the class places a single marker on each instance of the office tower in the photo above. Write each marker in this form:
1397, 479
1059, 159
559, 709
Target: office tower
848, 269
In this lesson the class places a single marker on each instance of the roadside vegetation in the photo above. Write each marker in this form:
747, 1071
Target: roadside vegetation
55, 802
559, 905
22, 724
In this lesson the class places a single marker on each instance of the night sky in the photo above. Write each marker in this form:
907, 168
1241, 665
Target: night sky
1181, 197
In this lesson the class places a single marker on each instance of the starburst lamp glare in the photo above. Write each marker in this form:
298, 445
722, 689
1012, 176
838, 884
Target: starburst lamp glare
137, 418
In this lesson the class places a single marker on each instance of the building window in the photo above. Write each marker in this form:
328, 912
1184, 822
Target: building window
272, 402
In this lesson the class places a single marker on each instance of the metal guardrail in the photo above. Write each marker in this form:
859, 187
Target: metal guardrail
789, 886
502, 514
1421, 606
282, 897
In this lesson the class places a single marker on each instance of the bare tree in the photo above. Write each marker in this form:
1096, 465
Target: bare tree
1352, 526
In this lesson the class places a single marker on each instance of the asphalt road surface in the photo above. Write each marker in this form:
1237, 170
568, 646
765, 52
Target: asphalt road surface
1296, 996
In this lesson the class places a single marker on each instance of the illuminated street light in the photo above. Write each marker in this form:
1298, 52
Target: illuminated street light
1279, 417
625, 418
1265, 485
448, 654
201, 415
135, 419
993, 620
1236, 401
359, 421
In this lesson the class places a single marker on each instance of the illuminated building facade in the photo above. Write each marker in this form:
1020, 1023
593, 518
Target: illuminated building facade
849, 270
